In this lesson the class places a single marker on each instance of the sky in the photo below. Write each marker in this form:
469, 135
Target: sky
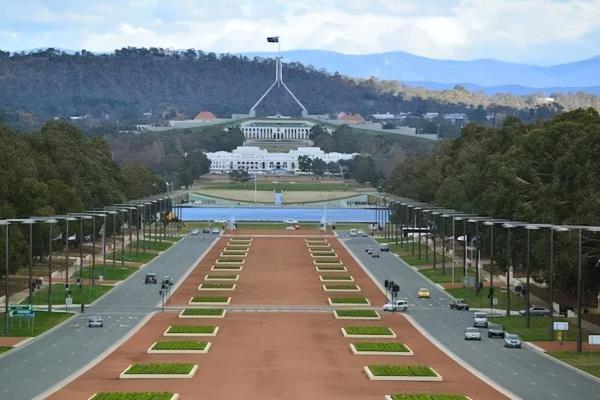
542, 32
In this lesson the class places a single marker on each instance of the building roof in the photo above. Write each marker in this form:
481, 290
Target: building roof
205, 116
351, 118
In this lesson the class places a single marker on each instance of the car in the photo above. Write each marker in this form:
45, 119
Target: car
150, 278
194, 232
205, 230
496, 330
398, 305
423, 293
480, 319
95, 321
472, 334
384, 247
512, 340
459, 304
375, 253
363, 233
215, 231
353, 232
368, 250
535, 311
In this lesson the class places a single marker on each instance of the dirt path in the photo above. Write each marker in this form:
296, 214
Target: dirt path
278, 355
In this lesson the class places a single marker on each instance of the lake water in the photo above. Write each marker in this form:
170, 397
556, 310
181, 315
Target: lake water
278, 214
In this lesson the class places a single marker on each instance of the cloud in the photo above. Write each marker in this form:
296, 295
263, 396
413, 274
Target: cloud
541, 31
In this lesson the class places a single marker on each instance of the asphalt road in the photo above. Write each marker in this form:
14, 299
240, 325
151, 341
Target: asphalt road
524, 372
44, 362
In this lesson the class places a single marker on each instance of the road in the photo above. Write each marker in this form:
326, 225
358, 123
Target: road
525, 372
48, 360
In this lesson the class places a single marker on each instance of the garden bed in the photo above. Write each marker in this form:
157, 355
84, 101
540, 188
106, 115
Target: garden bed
179, 347
356, 314
381, 349
325, 259
418, 373
237, 247
348, 301
426, 397
202, 313
368, 332
219, 300
221, 277
320, 246
159, 371
331, 268
336, 278
235, 253
221, 267
135, 396
216, 286
328, 264
228, 259
322, 253
191, 330
341, 287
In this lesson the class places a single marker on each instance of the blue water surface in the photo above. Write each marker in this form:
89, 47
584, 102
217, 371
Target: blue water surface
278, 214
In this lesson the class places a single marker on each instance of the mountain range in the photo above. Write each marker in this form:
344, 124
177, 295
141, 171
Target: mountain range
488, 75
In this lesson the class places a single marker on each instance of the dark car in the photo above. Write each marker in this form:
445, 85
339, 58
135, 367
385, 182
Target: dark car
459, 304
150, 278
541, 311
496, 330
205, 230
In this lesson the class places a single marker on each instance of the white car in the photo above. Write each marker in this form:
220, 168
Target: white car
472, 334
480, 319
399, 305
215, 231
360, 232
353, 232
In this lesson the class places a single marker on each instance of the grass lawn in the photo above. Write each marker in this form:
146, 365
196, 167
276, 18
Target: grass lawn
285, 186
43, 321
133, 396
191, 329
539, 329
209, 299
588, 362
86, 294
437, 275
428, 397
357, 313
349, 300
401, 370
152, 245
112, 274
405, 252
368, 330
4, 349
160, 368
395, 347
340, 286
336, 277
481, 300
211, 285
203, 311
331, 268
223, 277
180, 345
141, 257
322, 260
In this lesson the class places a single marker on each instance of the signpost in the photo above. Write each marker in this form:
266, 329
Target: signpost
561, 326
594, 339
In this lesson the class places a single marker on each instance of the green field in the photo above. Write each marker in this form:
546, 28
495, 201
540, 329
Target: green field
141, 257
155, 245
42, 322
368, 330
133, 396
285, 186
112, 274
588, 362
160, 368
179, 345
539, 329
437, 275
405, 251
401, 370
348, 300
357, 313
86, 294
4, 349
192, 329
481, 300
389, 347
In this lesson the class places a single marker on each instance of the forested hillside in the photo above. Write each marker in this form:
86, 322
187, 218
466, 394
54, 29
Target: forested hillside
123, 85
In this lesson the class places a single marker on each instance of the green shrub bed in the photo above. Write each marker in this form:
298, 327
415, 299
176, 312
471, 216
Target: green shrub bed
368, 330
401, 370
133, 396
213, 285
179, 345
336, 277
203, 311
331, 268
192, 328
427, 397
160, 368
387, 347
349, 300
357, 313
226, 267
223, 277
332, 260
209, 299
341, 286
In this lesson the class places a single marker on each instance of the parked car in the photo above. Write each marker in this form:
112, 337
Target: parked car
472, 334
205, 230
512, 340
423, 293
541, 311
384, 247
375, 253
459, 304
398, 305
353, 232
194, 232
150, 278
496, 330
95, 321
480, 319
215, 231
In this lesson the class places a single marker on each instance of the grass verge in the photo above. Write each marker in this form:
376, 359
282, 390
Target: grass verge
349, 300
401, 370
588, 362
85, 294
357, 313
386, 347
209, 299
133, 396
111, 274
179, 345
191, 329
428, 397
481, 299
204, 311
41, 323
160, 368
368, 330
539, 329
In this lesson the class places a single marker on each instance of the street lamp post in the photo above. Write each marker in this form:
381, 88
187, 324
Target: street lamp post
6, 294
508, 266
529, 228
50, 222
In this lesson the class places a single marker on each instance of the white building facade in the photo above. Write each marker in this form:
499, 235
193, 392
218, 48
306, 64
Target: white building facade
257, 160
279, 129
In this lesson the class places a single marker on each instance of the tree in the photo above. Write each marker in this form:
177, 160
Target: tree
333, 168
305, 163
240, 175
318, 167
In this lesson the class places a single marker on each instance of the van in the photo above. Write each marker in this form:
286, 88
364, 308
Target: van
353, 232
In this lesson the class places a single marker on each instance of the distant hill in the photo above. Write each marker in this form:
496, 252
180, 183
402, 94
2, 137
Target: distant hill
491, 76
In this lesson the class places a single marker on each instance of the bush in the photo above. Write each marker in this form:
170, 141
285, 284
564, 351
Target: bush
401, 370
368, 330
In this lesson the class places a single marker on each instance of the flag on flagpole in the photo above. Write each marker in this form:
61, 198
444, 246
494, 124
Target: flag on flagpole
74, 237
273, 39
58, 237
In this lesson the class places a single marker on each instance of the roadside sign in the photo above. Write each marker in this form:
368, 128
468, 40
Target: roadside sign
594, 339
561, 326
69, 301
19, 309
495, 301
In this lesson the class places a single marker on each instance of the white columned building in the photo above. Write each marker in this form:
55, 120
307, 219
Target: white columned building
276, 130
